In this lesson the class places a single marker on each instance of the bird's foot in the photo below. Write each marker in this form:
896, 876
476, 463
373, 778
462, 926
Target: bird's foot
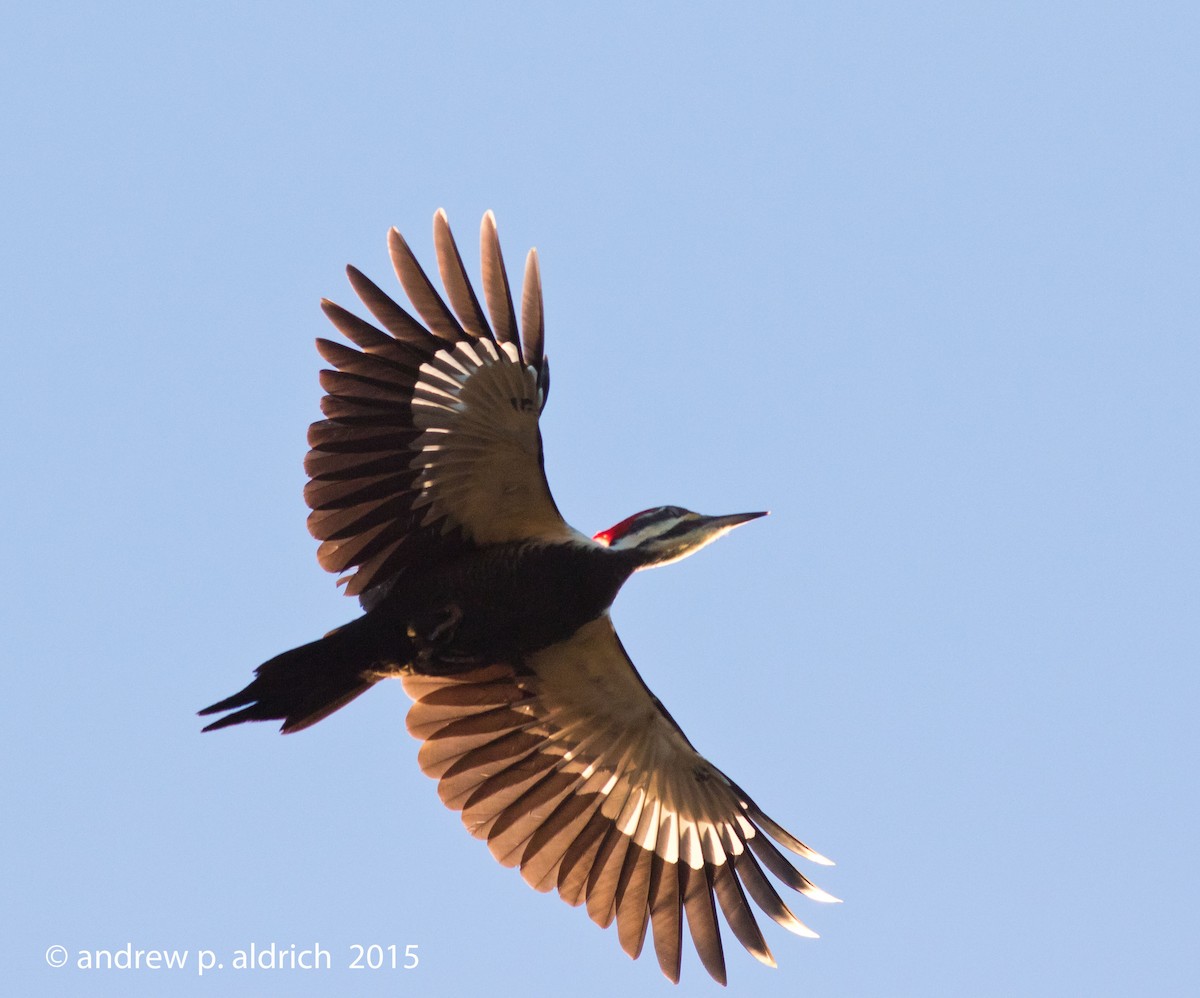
434, 656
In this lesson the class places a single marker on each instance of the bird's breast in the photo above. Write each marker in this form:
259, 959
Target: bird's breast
509, 600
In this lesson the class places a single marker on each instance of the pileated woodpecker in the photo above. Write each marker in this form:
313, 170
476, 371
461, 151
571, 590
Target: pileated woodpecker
427, 486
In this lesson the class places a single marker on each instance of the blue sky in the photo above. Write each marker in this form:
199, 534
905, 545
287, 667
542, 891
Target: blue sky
920, 279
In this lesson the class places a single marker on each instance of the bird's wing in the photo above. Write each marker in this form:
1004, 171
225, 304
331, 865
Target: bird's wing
431, 432
572, 770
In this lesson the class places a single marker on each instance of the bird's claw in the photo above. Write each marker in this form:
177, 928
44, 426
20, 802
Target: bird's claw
433, 655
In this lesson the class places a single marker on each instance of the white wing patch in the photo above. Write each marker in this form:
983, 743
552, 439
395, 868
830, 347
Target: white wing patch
478, 454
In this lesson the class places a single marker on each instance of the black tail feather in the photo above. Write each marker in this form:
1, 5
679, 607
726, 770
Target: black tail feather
306, 684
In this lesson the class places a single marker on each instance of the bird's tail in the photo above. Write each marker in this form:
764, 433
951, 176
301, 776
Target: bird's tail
303, 685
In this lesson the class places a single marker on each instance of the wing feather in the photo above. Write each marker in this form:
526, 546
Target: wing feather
495, 285
362, 333
601, 893
666, 915
378, 365
455, 280
702, 920
533, 329
517, 823
421, 292
738, 914
633, 893
547, 847
402, 326
577, 860
338, 494
766, 897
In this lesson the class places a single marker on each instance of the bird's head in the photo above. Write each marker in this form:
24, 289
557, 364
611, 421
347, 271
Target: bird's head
665, 534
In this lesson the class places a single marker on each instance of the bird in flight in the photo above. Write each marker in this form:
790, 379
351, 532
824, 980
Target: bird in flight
428, 494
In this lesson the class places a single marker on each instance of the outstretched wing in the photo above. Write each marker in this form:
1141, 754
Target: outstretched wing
572, 770
431, 433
